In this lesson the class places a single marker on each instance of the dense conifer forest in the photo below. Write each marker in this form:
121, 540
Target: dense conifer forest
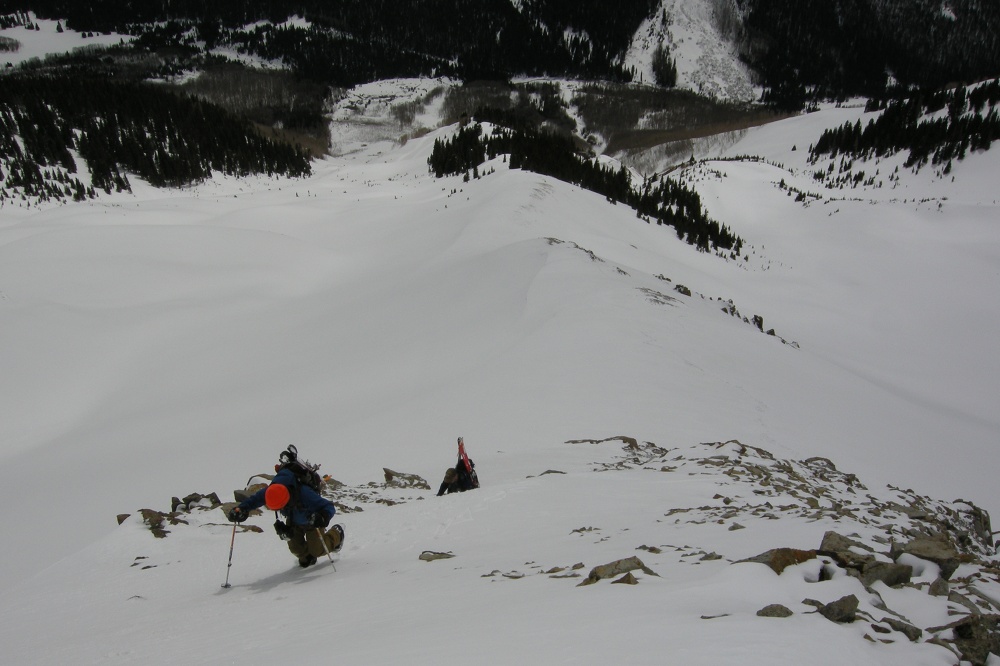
355, 41
917, 124
122, 128
803, 50
668, 202
807, 50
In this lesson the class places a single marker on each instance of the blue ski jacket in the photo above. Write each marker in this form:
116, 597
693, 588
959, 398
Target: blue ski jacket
303, 504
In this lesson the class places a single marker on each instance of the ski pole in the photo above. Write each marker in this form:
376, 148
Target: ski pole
232, 542
322, 539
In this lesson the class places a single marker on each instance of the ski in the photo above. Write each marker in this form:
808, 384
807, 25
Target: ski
462, 454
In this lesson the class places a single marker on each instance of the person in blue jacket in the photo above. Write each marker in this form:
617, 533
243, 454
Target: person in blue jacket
306, 515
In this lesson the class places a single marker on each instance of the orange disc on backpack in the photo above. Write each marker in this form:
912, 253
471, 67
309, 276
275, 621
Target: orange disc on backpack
276, 496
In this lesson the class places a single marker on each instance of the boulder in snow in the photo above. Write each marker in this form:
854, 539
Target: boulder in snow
775, 610
617, 568
778, 559
404, 480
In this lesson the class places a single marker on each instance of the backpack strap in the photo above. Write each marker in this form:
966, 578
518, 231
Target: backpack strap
296, 490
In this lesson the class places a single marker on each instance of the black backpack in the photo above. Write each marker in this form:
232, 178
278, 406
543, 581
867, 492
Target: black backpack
467, 479
306, 473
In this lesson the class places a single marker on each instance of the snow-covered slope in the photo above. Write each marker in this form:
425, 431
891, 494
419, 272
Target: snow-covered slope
50, 37
168, 342
513, 573
693, 32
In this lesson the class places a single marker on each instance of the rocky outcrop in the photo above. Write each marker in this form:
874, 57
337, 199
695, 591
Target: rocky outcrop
337, 492
889, 573
430, 556
843, 552
617, 568
975, 637
194, 501
847, 552
630, 442
844, 609
778, 559
939, 549
859, 560
904, 628
157, 521
890, 539
404, 480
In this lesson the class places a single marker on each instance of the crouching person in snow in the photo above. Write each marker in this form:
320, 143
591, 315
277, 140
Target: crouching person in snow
462, 476
450, 483
306, 516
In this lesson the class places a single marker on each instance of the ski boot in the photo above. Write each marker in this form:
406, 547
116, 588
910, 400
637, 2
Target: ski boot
337, 536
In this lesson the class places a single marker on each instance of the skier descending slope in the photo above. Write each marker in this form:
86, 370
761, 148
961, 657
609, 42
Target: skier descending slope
294, 494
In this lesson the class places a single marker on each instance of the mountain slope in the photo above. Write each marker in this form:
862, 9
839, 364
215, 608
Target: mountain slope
706, 56
514, 570
174, 341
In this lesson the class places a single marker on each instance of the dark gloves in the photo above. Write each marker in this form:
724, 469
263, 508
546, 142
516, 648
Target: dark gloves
319, 520
282, 530
237, 515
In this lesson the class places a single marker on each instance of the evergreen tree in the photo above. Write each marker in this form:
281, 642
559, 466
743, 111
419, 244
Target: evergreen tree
664, 67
